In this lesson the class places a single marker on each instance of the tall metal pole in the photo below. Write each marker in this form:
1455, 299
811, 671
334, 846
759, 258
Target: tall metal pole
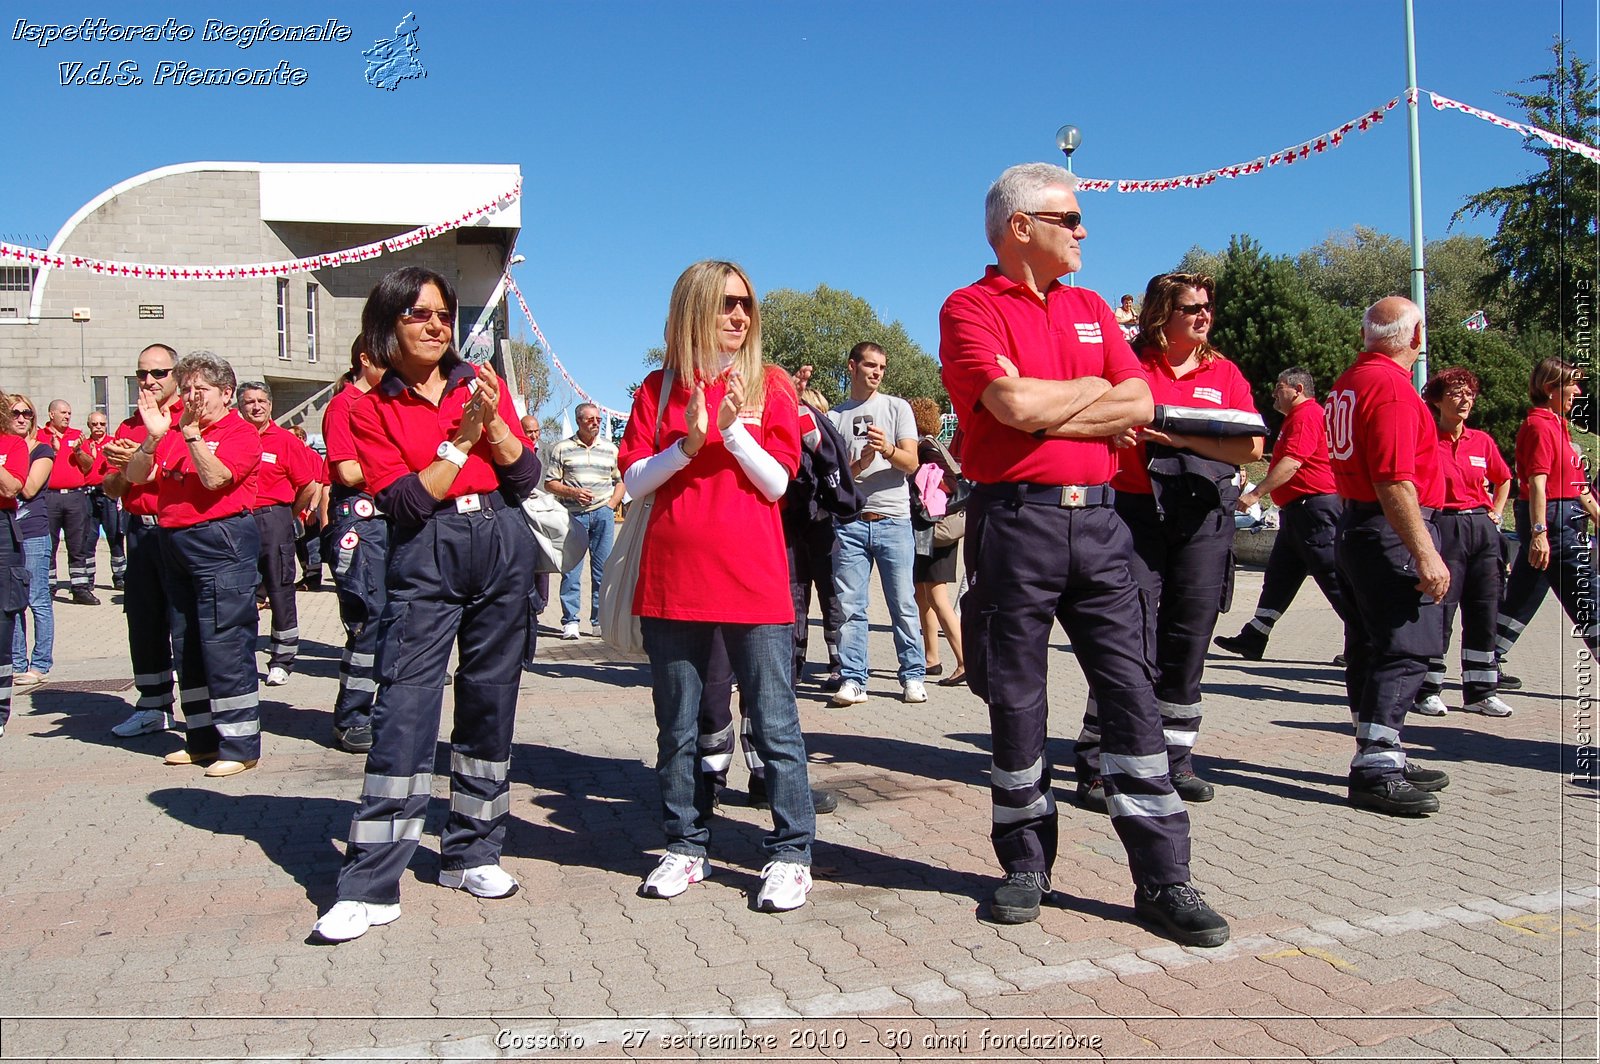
1068, 138
1419, 295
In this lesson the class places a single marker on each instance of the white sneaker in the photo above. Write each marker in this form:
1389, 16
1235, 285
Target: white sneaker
277, 676
569, 631
673, 875
1489, 707
351, 919
594, 629
1432, 706
142, 722
849, 693
914, 691
484, 881
784, 886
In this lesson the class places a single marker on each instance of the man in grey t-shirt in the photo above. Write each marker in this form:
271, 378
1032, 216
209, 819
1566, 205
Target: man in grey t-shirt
883, 449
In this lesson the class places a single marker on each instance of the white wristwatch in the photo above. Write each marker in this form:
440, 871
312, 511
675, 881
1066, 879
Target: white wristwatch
452, 454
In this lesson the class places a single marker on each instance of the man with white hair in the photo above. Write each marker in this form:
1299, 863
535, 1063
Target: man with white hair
1385, 451
583, 474
1042, 380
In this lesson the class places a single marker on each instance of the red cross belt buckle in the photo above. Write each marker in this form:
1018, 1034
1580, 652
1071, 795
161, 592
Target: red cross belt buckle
1074, 496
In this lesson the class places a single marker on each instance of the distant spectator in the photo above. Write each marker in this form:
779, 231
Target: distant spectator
583, 474
935, 569
33, 528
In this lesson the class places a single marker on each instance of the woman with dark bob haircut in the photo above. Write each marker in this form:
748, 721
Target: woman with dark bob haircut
444, 455
1555, 510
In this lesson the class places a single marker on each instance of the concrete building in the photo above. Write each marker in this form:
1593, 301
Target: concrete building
292, 330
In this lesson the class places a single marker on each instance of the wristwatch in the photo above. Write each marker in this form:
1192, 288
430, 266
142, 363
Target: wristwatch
1540, 528
452, 454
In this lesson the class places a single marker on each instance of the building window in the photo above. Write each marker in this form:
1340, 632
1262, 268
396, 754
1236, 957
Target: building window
283, 318
133, 396
16, 284
100, 395
311, 323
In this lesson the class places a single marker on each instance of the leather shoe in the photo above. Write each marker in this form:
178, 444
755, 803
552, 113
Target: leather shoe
230, 768
183, 757
1238, 644
955, 679
1395, 797
1093, 797
1425, 779
1509, 682
1192, 788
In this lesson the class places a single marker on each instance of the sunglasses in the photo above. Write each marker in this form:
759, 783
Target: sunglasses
1065, 219
423, 315
158, 374
729, 302
22, 413
1195, 308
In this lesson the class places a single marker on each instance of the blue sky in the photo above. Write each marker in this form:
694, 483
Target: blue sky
814, 142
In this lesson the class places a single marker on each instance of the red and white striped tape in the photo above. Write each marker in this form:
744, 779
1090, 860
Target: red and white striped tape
511, 286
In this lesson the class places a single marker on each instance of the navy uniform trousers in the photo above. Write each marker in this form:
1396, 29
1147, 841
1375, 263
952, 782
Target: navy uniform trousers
13, 600
1571, 574
1033, 563
1183, 562
1303, 547
276, 564
359, 550
1470, 544
716, 740
464, 578
210, 575
812, 547
106, 514
155, 630
1398, 631
68, 510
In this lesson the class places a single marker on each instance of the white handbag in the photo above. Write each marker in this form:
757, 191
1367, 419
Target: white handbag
559, 549
619, 627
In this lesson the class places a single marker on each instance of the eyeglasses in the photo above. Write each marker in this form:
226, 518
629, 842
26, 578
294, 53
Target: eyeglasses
1065, 219
158, 374
1195, 308
23, 414
1460, 393
423, 315
590, 417
729, 302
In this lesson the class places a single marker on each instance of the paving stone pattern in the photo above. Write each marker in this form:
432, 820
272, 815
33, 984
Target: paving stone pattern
151, 913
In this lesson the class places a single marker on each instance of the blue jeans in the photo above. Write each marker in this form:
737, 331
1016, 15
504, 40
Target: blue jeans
36, 556
890, 543
761, 654
601, 527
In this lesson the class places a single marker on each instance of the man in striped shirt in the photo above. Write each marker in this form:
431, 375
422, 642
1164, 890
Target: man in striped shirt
582, 473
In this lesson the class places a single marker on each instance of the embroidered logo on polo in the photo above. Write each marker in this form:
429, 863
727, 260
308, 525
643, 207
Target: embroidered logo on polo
1211, 395
1088, 332
1478, 460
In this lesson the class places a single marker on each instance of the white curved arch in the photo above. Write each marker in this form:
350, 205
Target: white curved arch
36, 301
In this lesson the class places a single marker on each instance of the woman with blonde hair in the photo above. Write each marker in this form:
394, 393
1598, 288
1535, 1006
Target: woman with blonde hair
714, 435
33, 526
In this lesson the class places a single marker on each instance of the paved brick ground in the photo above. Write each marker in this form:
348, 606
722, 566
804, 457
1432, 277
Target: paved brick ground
152, 913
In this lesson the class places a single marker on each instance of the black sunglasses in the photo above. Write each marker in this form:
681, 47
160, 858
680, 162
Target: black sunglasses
158, 374
729, 302
22, 413
1065, 219
1194, 308
423, 315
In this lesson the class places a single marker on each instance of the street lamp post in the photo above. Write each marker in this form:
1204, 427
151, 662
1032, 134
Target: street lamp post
1068, 138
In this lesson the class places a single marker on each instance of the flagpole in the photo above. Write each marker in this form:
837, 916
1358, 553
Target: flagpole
1419, 295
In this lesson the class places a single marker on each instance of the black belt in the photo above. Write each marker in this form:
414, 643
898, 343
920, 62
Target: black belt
1066, 496
1298, 499
468, 504
67, 491
1369, 509
269, 506
147, 520
1464, 512
866, 516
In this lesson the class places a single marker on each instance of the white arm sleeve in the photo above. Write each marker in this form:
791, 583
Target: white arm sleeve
648, 474
769, 477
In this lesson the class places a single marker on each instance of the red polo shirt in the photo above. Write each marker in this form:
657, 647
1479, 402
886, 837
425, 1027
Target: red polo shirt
1544, 445
1471, 465
14, 460
1069, 334
1379, 429
140, 499
337, 435
397, 432
63, 474
1304, 437
1217, 383
181, 498
287, 465
96, 450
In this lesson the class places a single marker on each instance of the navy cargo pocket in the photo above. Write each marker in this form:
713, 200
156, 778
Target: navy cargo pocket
14, 580
233, 597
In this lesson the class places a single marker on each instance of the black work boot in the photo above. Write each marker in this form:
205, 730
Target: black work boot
1180, 911
1425, 779
1396, 797
1093, 797
1242, 645
1192, 788
1016, 899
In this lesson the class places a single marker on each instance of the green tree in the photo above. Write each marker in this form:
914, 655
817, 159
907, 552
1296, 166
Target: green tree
1502, 370
819, 328
1356, 268
1269, 319
1544, 249
530, 374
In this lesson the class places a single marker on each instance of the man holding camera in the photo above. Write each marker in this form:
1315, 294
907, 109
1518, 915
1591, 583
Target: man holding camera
883, 449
